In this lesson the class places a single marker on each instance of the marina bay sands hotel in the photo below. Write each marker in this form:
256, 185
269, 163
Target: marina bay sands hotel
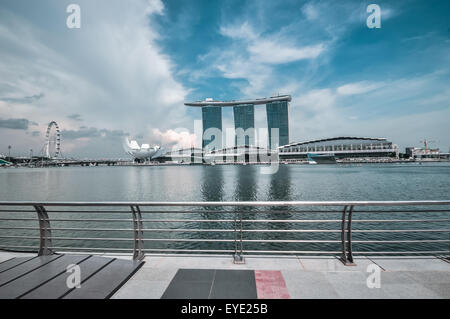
277, 109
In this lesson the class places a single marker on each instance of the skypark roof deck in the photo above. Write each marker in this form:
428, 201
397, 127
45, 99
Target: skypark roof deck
240, 102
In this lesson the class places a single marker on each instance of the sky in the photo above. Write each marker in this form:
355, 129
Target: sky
131, 65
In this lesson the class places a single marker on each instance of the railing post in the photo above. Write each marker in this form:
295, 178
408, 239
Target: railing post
138, 252
346, 247
45, 232
237, 257
349, 238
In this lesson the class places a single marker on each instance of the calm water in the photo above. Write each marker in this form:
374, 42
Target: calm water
239, 183
226, 183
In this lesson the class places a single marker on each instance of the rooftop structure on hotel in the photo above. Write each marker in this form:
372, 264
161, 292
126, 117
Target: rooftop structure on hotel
277, 108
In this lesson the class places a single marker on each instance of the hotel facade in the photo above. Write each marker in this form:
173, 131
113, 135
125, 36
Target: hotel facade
277, 110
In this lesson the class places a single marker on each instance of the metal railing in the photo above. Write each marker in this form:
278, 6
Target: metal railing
237, 225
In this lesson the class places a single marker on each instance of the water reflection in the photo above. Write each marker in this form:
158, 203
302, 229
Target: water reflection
280, 185
280, 190
212, 184
246, 184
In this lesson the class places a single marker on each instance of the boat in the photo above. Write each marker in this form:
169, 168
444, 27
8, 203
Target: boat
321, 158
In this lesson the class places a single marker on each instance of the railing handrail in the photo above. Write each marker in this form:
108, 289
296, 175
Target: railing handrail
231, 203
345, 208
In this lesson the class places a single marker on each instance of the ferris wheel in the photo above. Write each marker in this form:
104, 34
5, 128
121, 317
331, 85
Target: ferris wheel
52, 145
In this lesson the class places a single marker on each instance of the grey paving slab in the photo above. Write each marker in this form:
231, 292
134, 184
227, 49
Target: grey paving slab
194, 275
429, 277
147, 283
333, 264
261, 263
12, 262
308, 285
142, 289
28, 282
234, 284
412, 264
408, 291
353, 285
106, 281
154, 274
212, 284
57, 287
190, 284
4, 258
22, 269
441, 289
188, 290
6, 255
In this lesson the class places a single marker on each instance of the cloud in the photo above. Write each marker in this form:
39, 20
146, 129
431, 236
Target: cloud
274, 52
310, 11
76, 117
358, 88
23, 100
15, 124
239, 31
90, 133
255, 56
270, 49
112, 69
182, 139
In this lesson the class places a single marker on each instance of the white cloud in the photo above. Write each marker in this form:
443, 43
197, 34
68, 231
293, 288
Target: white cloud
310, 11
243, 31
358, 88
111, 71
254, 56
178, 140
274, 52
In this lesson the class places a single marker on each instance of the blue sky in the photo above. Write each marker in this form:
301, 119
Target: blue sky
131, 66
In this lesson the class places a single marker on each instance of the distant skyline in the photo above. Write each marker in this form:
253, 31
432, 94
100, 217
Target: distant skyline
130, 67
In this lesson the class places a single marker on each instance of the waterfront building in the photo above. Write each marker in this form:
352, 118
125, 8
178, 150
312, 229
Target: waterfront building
422, 153
186, 155
340, 147
244, 124
278, 117
212, 125
277, 108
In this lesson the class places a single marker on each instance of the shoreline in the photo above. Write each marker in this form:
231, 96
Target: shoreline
96, 163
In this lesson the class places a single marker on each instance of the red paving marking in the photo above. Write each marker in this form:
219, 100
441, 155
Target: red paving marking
270, 285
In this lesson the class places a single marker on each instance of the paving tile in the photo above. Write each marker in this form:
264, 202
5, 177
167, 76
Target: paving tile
409, 291
333, 264
308, 285
188, 290
412, 264
234, 284
353, 285
142, 289
194, 275
270, 284
155, 274
441, 289
425, 277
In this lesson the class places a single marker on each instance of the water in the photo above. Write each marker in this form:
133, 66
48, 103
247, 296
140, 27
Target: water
411, 181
